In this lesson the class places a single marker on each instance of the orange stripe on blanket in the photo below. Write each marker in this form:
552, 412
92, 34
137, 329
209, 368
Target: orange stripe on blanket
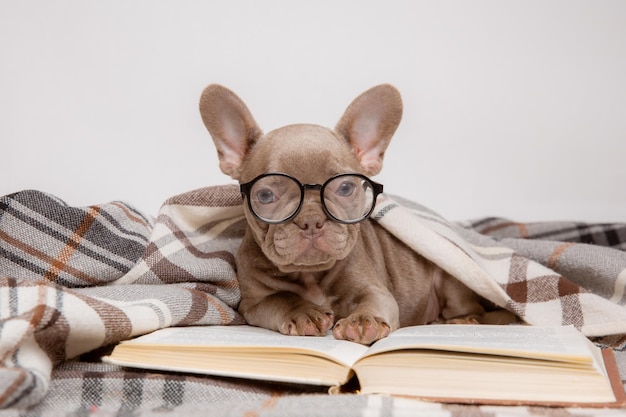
268, 404
224, 314
553, 262
522, 229
131, 216
58, 264
48, 259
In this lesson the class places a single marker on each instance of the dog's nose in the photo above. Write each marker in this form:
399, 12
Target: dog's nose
310, 223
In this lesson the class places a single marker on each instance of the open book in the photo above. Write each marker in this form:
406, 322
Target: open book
459, 363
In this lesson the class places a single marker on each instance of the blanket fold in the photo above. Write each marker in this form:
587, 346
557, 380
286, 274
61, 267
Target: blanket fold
76, 279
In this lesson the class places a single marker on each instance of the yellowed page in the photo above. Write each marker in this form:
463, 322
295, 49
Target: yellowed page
242, 351
250, 337
437, 374
563, 343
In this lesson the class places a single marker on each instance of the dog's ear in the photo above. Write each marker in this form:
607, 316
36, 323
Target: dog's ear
368, 124
231, 126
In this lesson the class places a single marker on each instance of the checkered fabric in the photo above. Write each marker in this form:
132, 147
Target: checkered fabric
612, 235
74, 281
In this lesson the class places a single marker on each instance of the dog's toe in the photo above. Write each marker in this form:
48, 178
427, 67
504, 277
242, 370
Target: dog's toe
308, 323
361, 328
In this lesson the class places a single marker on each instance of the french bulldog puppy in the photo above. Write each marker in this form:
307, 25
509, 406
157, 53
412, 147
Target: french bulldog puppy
311, 260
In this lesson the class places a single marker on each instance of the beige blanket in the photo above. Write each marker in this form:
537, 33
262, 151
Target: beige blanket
73, 281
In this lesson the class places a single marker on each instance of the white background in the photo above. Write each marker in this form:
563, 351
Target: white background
512, 108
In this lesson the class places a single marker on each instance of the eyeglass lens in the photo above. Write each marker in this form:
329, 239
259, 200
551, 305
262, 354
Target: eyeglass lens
348, 197
275, 198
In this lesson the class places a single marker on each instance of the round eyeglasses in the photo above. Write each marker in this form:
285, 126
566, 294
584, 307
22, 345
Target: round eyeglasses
277, 197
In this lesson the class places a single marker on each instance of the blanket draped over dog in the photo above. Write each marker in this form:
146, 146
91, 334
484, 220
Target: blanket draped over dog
74, 281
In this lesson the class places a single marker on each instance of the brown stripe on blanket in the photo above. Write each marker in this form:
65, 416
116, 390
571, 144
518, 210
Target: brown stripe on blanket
194, 250
54, 335
164, 268
199, 306
117, 325
16, 383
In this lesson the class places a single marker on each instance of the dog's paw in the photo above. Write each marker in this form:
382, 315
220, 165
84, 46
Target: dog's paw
469, 319
361, 328
307, 321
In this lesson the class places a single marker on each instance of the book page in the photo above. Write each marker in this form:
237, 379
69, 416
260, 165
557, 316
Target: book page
555, 343
250, 337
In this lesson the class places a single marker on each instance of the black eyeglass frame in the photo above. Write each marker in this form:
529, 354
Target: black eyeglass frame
245, 188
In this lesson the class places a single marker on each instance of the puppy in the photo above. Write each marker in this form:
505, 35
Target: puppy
311, 260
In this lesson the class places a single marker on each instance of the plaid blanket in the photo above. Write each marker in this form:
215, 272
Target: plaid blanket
74, 281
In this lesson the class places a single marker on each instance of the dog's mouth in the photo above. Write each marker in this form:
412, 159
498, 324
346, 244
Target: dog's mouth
294, 247
316, 248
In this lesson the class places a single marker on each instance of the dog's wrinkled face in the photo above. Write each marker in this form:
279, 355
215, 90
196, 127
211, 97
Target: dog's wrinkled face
311, 154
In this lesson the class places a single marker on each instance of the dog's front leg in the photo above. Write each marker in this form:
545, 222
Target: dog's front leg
374, 315
289, 314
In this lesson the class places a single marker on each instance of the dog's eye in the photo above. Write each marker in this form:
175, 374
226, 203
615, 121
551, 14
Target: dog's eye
345, 189
265, 196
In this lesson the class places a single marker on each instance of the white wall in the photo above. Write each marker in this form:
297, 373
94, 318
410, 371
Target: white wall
512, 108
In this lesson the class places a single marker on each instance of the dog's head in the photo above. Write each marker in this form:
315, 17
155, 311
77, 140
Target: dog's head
303, 211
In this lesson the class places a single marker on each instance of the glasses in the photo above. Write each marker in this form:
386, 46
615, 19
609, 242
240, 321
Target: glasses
277, 198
